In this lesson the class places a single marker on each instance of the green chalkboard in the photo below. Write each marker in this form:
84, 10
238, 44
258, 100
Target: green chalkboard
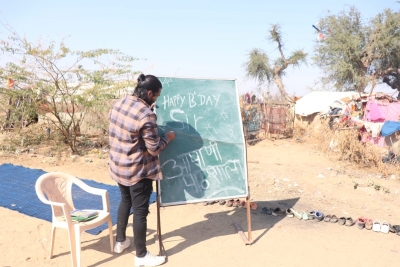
207, 159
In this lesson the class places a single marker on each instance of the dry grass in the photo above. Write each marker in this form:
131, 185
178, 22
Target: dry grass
345, 145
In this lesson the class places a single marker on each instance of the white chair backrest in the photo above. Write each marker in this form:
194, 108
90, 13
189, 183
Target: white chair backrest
56, 187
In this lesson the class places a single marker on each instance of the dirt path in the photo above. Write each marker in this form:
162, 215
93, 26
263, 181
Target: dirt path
282, 174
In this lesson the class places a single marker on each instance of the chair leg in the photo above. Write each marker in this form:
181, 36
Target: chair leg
78, 247
110, 232
72, 247
53, 235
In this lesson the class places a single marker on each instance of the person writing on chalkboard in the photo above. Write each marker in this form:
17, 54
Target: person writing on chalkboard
134, 164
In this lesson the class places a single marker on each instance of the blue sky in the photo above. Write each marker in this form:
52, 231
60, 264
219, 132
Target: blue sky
185, 38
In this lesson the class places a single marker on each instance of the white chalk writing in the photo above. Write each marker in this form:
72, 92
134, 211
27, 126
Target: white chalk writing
191, 99
189, 168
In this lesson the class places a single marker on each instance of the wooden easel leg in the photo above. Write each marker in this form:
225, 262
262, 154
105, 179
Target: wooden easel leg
158, 236
249, 239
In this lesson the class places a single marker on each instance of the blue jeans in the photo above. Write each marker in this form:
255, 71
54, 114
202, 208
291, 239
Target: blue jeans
136, 197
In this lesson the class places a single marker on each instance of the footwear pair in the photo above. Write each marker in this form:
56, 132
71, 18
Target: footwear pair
253, 205
266, 210
238, 203
380, 227
278, 212
345, 221
274, 212
394, 229
233, 203
331, 218
221, 202
363, 222
149, 260
315, 215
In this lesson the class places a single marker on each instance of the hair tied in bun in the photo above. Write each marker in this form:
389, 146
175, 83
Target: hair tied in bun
141, 77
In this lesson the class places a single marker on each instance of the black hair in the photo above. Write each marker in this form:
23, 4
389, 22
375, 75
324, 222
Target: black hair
145, 83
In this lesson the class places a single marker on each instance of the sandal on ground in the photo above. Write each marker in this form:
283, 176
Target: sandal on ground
334, 219
396, 229
236, 203
360, 223
349, 221
277, 212
342, 221
327, 218
253, 206
264, 210
376, 226
319, 216
368, 224
229, 203
289, 213
384, 227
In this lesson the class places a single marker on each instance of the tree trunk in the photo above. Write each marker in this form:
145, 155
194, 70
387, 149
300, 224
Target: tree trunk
279, 84
373, 83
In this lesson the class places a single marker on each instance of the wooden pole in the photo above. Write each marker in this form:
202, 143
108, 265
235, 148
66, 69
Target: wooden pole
249, 239
160, 253
249, 236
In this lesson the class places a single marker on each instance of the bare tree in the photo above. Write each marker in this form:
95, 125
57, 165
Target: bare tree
259, 68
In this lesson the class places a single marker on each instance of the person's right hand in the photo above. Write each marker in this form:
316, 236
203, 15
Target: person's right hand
170, 135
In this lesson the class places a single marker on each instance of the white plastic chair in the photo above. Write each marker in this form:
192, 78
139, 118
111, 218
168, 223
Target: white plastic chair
54, 188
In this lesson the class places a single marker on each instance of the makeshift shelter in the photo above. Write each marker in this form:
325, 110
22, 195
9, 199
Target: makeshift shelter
310, 108
381, 121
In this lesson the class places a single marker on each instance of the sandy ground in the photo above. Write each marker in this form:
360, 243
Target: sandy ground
282, 173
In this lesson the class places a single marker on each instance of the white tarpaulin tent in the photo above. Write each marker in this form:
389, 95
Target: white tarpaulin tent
320, 101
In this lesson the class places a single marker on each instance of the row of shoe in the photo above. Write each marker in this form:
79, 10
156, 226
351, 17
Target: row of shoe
361, 222
237, 203
229, 203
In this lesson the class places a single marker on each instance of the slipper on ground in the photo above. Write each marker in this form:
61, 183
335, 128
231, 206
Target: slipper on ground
277, 212
368, 223
264, 210
360, 223
349, 221
376, 226
229, 203
319, 216
341, 220
327, 218
289, 213
334, 219
384, 227
311, 215
236, 203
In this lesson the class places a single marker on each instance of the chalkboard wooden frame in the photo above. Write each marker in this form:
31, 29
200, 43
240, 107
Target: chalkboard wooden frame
227, 90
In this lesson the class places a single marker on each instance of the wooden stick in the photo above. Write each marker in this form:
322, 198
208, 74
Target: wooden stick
241, 234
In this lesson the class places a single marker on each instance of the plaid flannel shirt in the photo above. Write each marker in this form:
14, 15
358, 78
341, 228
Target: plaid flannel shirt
134, 142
